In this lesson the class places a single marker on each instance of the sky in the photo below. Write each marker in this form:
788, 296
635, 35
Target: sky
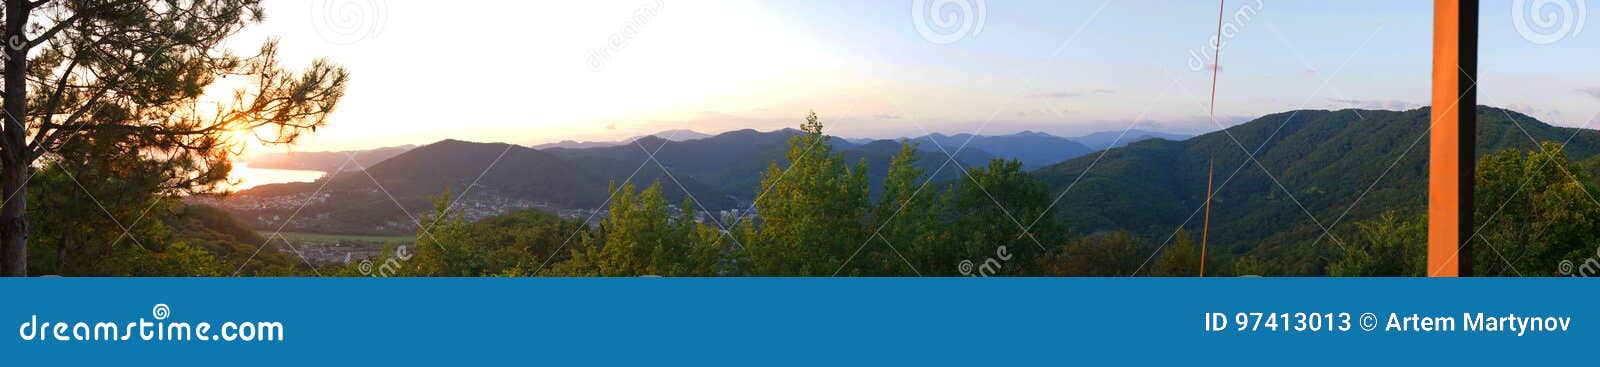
530, 72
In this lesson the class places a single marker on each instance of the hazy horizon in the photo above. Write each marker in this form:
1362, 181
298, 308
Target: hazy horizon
542, 73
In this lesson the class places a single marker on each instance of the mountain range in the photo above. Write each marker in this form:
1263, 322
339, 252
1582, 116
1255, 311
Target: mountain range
717, 173
1273, 175
1114, 139
673, 135
1034, 149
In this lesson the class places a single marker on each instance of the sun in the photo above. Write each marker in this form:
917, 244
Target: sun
242, 142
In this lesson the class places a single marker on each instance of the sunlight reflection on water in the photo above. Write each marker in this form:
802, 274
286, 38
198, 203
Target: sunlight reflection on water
252, 177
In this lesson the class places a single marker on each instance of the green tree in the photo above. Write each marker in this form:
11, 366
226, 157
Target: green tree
1182, 259
1534, 210
1548, 213
1249, 265
441, 250
85, 195
991, 210
82, 203
1101, 255
642, 235
515, 243
812, 216
906, 218
138, 70
1389, 245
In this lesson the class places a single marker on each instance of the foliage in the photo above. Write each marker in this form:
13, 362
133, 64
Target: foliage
1325, 163
643, 236
906, 217
131, 77
999, 207
1388, 246
84, 198
1250, 265
1111, 254
812, 213
1534, 210
1545, 212
819, 216
1181, 259
512, 244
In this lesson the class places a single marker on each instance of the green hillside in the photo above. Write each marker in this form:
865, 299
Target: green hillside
1324, 160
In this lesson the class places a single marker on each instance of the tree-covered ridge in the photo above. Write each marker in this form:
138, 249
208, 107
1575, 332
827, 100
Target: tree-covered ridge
1324, 160
720, 172
816, 217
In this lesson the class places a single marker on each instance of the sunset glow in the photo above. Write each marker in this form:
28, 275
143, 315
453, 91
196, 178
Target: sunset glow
748, 64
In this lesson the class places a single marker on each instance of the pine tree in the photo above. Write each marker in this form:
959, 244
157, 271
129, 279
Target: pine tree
136, 70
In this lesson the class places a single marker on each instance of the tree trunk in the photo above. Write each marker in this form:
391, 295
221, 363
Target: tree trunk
15, 157
14, 220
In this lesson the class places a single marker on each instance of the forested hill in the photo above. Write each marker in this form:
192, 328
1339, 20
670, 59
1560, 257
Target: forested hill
1324, 161
1033, 149
718, 172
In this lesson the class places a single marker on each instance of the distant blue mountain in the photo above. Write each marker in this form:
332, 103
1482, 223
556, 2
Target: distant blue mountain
1033, 149
1116, 139
673, 135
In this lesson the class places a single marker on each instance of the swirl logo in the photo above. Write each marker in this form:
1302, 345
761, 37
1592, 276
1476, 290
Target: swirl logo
948, 21
365, 267
346, 22
1546, 21
1566, 267
965, 267
161, 311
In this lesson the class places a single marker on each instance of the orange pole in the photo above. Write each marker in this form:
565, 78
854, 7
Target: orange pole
1216, 65
1216, 56
1451, 158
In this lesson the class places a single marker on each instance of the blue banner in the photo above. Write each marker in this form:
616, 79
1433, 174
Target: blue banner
777, 321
